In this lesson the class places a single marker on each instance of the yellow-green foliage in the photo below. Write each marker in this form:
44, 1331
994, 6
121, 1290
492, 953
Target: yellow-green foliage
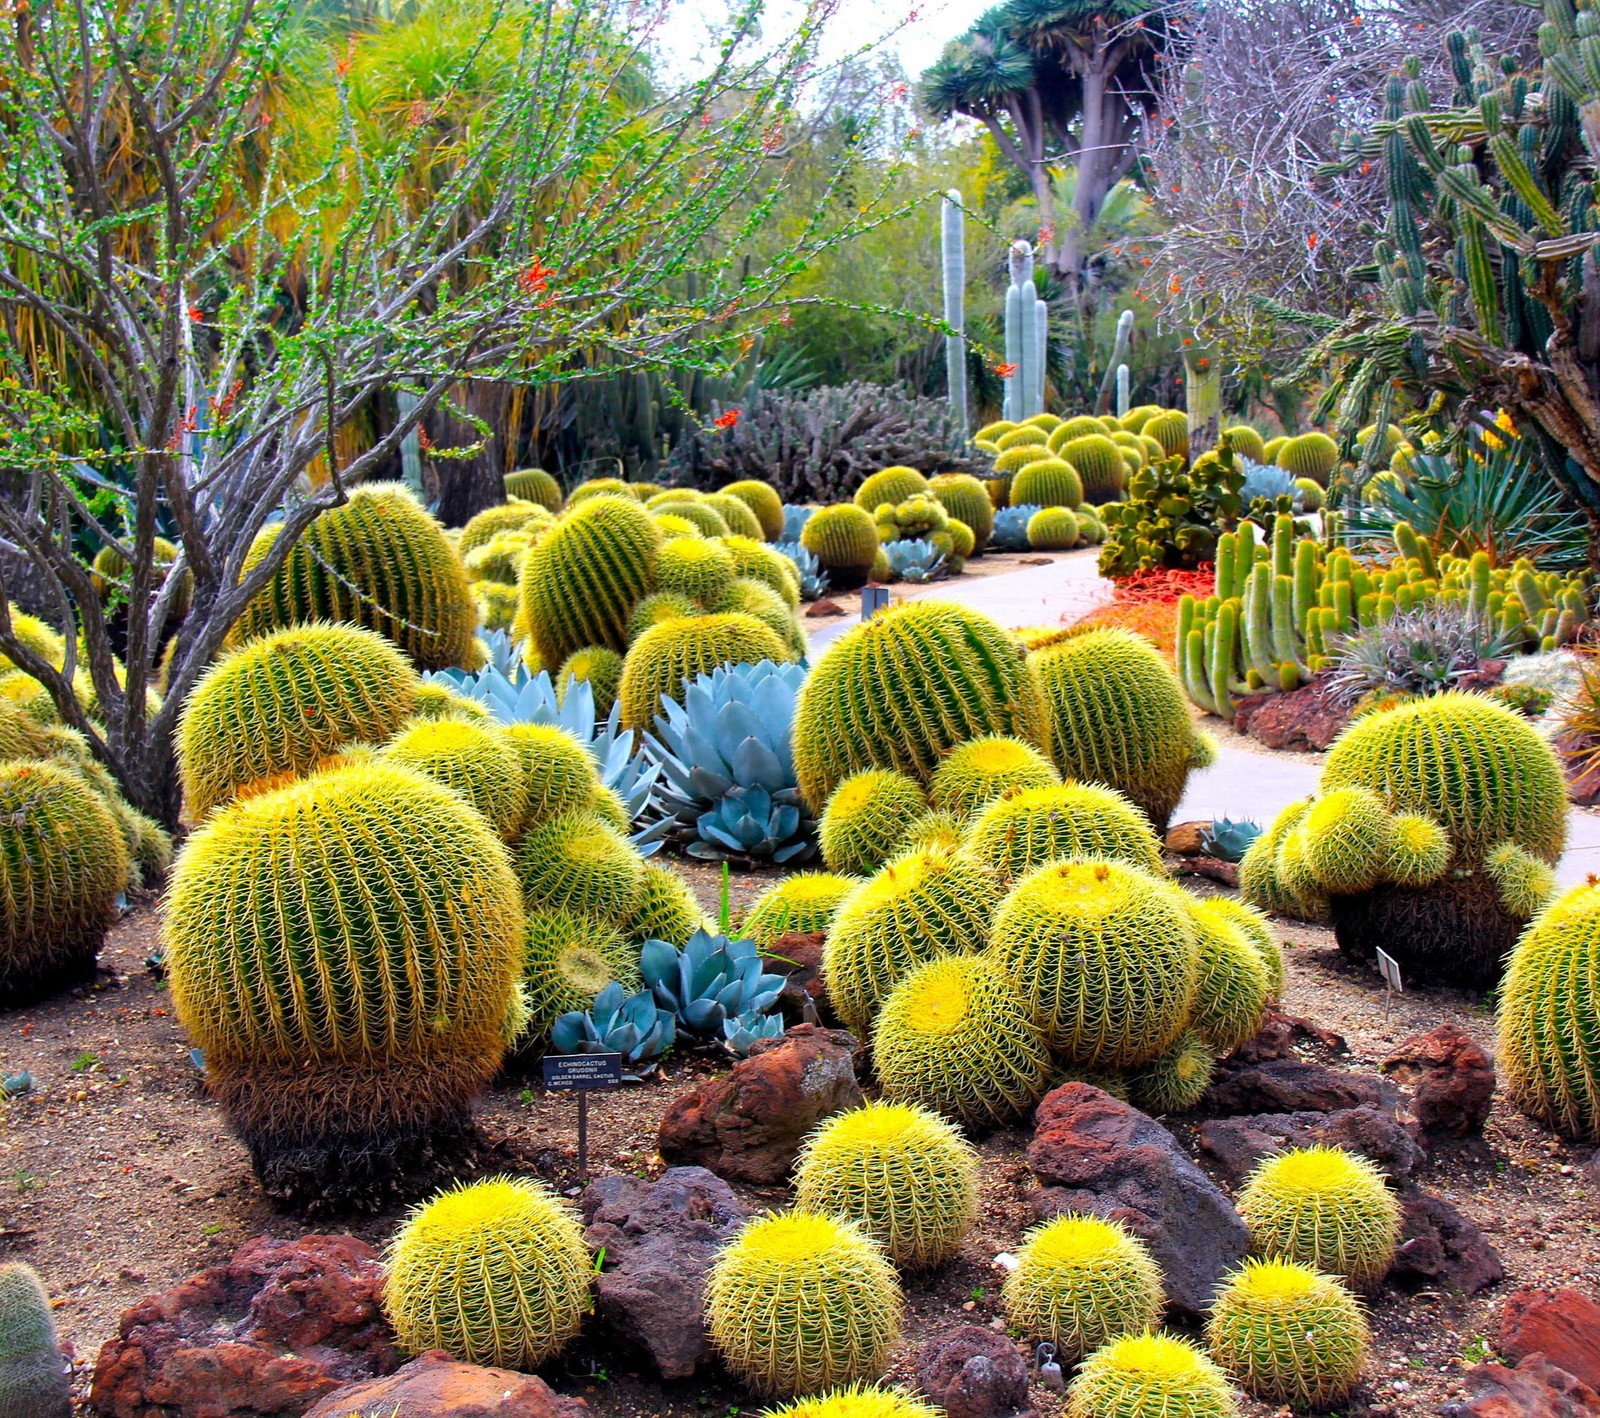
762, 499
1171, 431
800, 1302
966, 499
1081, 1282
63, 861
1099, 463
1548, 1019
756, 561
497, 604
1023, 455
494, 522
534, 485
557, 772
493, 1272
346, 951
1024, 436
580, 584
805, 903
1261, 882
1288, 1334
381, 561
657, 608
904, 1175
1246, 442
1476, 768
1026, 830
1115, 714
736, 514
857, 1401
1103, 956
567, 960
696, 568
892, 485
1233, 985
975, 773
670, 655
1177, 1081
1523, 883
281, 704
597, 666
1047, 482
866, 818
474, 760
953, 1037
843, 538
747, 596
1150, 1376
904, 689
1323, 1207
1312, 455
578, 862
1346, 840
668, 909
1053, 529
924, 905
1256, 929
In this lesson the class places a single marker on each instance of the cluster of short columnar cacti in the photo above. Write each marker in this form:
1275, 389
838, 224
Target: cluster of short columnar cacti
1281, 601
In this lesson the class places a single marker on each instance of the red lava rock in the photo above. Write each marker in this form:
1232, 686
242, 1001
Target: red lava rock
1582, 771
1451, 1077
1305, 718
1094, 1153
1536, 1388
972, 1372
1236, 1145
265, 1335
1563, 1325
824, 607
1280, 1034
1183, 838
748, 1125
798, 957
1440, 1246
1294, 1086
433, 1385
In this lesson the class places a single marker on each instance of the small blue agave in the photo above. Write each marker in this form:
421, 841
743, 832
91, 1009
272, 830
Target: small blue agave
739, 1034
1011, 528
795, 517
914, 560
1269, 481
630, 1025
711, 980
1228, 840
813, 579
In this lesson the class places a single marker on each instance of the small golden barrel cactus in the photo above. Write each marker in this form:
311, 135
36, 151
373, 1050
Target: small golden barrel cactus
699, 513
657, 607
599, 667
1150, 1376
844, 539
433, 701
921, 906
806, 902
1323, 1207
1169, 428
866, 818
1047, 482
474, 760
1256, 927
1288, 1334
694, 567
756, 561
1103, 956
494, 522
558, 772
953, 1037
33, 1373
762, 499
1233, 984
277, 706
966, 499
670, 655
1053, 529
857, 1401
748, 596
63, 861
492, 1272
534, 485
668, 909
580, 863
1177, 1081
567, 960
975, 773
1023, 831
736, 513
903, 1174
1081, 1282
799, 1303
892, 485
1347, 840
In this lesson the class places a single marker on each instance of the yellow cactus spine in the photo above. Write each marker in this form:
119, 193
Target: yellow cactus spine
857, 1401
1023, 831
1177, 1081
1322, 1207
1150, 1376
865, 819
974, 774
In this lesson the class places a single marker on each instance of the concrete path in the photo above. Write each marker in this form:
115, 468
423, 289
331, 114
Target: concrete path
1240, 784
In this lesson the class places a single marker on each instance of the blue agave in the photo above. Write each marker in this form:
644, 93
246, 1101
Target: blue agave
1269, 481
727, 785
739, 1034
515, 697
914, 560
711, 980
1228, 840
813, 579
1011, 528
630, 1025
795, 517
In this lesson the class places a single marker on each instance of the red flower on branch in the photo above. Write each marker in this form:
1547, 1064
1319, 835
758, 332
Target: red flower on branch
197, 315
1047, 233
536, 278
1005, 371
423, 441
727, 420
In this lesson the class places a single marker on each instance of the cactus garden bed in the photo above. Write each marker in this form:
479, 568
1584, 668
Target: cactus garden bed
118, 1178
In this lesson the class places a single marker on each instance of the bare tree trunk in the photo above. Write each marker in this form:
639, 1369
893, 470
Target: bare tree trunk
467, 486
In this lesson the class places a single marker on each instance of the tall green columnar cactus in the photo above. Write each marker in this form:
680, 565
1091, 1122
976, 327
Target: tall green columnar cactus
1116, 371
952, 232
1025, 338
33, 1375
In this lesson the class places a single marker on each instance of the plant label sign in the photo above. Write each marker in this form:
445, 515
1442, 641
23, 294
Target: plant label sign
1389, 968
582, 1071
873, 600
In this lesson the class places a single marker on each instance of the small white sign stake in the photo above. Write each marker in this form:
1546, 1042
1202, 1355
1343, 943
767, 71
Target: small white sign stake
1389, 968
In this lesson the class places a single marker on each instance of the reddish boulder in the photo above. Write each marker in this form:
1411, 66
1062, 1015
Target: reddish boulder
1281, 1034
1563, 1325
1440, 1246
265, 1335
1291, 1085
748, 1125
1184, 838
972, 1372
1237, 1145
797, 956
1306, 718
1534, 1389
1451, 1078
434, 1385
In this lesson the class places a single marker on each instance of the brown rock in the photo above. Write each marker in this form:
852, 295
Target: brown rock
748, 1125
1536, 1388
822, 608
972, 1372
1306, 718
1237, 1145
1581, 768
1094, 1153
1281, 1034
1451, 1077
265, 1335
433, 1385
1183, 838
1295, 1086
1212, 868
798, 958
1563, 1325
1440, 1246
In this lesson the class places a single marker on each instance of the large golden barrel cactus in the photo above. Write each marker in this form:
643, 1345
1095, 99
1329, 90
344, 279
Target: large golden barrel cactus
1325, 1208
1115, 714
346, 951
580, 584
1081, 1282
904, 689
892, 485
844, 539
762, 499
670, 655
277, 706
63, 861
379, 560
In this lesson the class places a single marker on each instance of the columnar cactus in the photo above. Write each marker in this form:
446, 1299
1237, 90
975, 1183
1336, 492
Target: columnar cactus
953, 251
33, 1373
1027, 337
